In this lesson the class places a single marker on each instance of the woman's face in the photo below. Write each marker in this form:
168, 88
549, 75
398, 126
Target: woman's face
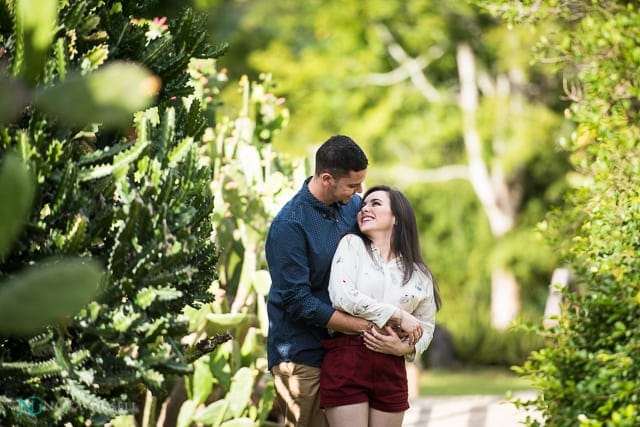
375, 213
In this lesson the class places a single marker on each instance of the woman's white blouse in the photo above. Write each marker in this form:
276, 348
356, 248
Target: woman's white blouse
366, 287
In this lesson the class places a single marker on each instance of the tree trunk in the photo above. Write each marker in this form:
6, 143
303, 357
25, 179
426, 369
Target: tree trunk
553, 307
493, 191
500, 198
505, 298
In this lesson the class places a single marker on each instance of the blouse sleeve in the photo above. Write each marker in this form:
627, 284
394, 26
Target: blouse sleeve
346, 291
426, 313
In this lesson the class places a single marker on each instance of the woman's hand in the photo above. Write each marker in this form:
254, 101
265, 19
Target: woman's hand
387, 341
409, 324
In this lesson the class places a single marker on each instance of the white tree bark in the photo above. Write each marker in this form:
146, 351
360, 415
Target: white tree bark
505, 298
553, 307
492, 190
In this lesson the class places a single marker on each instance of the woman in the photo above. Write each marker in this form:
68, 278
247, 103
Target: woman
378, 274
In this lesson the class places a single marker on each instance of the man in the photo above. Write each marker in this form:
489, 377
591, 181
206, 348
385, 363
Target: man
300, 246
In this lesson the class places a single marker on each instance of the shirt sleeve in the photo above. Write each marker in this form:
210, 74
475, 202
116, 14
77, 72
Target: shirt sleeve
346, 288
426, 313
289, 263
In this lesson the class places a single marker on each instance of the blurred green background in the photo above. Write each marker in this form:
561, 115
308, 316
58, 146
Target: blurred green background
387, 73
146, 145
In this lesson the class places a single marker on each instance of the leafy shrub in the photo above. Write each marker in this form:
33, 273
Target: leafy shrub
589, 371
132, 197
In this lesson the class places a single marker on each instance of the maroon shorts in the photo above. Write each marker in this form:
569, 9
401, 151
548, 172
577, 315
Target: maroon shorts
351, 373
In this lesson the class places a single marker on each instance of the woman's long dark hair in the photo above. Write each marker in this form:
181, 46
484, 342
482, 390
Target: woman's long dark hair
405, 240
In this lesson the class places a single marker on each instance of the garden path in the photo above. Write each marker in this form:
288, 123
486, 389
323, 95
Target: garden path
467, 411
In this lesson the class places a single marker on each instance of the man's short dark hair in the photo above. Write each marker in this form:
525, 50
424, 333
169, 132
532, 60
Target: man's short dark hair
340, 155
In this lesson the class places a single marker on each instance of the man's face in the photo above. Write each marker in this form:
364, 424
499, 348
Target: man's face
343, 189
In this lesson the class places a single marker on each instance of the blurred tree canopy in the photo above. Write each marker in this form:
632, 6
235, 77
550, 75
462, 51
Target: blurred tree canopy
387, 73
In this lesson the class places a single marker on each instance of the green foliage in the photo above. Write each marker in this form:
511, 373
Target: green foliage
588, 372
79, 99
34, 31
136, 203
76, 100
16, 196
231, 386
25, 301
465, 268
386, 73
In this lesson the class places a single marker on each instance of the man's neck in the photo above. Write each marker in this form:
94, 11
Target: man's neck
318, 190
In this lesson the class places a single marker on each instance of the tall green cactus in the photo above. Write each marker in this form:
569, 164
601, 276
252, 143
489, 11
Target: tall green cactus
77, 99
129, 192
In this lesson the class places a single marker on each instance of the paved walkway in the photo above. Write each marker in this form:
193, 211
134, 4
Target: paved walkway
467, 411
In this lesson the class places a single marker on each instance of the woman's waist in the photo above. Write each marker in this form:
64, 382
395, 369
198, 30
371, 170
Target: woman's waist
339, 339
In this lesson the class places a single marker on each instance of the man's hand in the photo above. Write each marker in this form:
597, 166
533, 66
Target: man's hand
408, 323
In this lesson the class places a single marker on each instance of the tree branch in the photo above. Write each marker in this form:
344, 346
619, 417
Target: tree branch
408, 66
500, 220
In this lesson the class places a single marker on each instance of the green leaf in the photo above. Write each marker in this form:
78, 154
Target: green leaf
45, 293
251, 344
89, 400
187, 411
35, 28
218, 322
261, 282
95, 58
263, 316
16, 197
213, 414
202, 380
108, 96
239, 422
219, 364
148, 295
179, 152
239, 395
266, 402
153, 378
123, 318
120, 165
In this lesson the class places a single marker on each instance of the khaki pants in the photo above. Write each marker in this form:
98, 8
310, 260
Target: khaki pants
298, 394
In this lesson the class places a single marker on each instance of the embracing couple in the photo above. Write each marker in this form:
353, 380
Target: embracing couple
351, 296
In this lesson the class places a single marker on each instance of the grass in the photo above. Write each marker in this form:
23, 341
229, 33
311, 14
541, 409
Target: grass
478, 381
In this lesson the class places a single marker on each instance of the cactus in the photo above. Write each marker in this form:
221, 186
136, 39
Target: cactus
16, 197
111, 226
78, 99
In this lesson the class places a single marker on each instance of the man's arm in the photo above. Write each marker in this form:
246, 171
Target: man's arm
343, 322
288, 261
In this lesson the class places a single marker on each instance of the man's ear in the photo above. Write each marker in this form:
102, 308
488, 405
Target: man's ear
326, 178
